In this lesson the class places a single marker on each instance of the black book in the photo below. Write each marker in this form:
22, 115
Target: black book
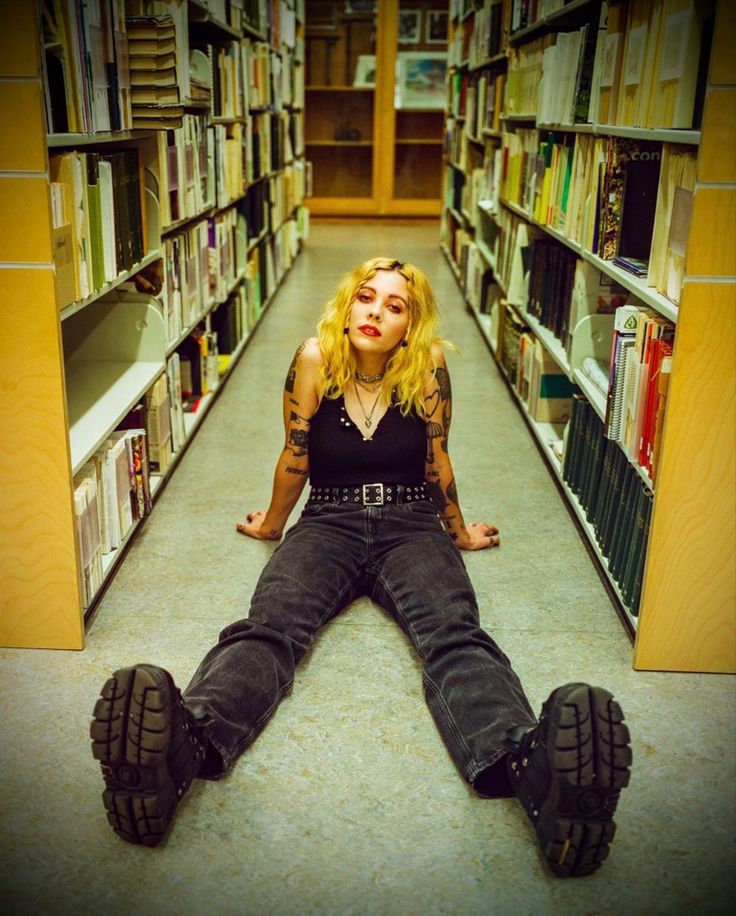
638, 574
623, 531
635, 554
618, 465
574, 442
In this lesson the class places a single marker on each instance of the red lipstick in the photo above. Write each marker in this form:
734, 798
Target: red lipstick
369, 330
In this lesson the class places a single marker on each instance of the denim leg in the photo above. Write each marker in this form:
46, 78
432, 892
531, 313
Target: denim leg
310, 577
471, 689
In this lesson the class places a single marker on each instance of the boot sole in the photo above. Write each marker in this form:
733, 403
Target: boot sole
131, 732
589, 756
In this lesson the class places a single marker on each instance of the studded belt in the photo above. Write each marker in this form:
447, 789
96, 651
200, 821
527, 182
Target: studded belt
369, 494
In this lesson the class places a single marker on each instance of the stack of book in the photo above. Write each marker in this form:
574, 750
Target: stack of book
152, 55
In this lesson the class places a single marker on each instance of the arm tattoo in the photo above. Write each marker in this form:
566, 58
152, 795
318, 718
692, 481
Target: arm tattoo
434, 431
298, 442
291, 374
443, 380
290, 470
295, 418
451, 491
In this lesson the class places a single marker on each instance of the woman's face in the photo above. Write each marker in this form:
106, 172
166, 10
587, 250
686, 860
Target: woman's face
379, 315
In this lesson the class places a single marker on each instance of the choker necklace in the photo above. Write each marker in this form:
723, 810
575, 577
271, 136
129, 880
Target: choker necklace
367, 416
369, 378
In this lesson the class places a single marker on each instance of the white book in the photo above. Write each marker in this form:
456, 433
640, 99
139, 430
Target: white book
111, 495
107, 210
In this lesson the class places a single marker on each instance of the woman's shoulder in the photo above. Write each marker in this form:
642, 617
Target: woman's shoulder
309, 354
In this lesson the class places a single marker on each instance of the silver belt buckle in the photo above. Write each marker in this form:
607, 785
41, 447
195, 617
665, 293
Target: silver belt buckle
372, 494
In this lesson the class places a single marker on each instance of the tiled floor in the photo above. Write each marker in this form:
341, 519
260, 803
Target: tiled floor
348, 802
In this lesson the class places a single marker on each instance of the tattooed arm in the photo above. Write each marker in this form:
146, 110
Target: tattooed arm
301, 400
438, 472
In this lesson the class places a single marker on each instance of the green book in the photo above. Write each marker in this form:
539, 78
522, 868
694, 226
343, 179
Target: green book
620, 531
635, 552
585, 456
638, 572
604, 487
94, 213
619, 464
573, 440
596, 463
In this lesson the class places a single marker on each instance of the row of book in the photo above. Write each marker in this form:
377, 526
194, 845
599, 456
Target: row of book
620, 198
111, 493
87, 82
640, 368
98, 217
477, 38
642, 64
559, 290
111, 65
563, 288
616, 501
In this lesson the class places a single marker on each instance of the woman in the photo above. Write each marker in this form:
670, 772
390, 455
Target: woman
367, 408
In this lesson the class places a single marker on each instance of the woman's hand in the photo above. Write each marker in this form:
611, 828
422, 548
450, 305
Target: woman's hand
480, 536
254, 528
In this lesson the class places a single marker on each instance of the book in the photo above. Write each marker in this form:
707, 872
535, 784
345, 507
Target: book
156, 28
676, 67
146, 63
671, 228
635, 266
611, 63
629, 198
624, 337
642, 17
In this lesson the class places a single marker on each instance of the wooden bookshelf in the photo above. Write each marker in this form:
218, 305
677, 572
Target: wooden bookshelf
79, 366
368, 156
685, 619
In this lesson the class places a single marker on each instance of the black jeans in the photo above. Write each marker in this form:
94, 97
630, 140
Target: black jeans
399, 556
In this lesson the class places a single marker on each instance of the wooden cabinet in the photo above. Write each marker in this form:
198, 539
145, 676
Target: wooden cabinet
374, 151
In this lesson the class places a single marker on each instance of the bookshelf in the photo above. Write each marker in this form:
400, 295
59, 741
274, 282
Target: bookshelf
532, 246
375, 150
213, 211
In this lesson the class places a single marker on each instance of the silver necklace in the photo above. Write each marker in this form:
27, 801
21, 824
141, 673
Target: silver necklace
369, 378
367, 416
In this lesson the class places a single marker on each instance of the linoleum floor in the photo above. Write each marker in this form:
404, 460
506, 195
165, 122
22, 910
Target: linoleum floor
348, 802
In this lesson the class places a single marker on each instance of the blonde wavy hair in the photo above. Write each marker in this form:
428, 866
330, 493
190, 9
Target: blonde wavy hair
406, 370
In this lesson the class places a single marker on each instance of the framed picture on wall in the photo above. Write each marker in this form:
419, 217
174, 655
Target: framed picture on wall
436, 27
365, 71
420, 80
410, 27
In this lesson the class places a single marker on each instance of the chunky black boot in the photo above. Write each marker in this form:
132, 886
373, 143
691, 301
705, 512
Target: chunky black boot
568, 772
149, 749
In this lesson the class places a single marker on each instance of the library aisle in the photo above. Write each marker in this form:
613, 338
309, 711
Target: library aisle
348, 803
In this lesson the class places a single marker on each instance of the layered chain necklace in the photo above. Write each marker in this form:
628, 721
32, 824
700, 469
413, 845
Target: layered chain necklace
367, 415
369, 379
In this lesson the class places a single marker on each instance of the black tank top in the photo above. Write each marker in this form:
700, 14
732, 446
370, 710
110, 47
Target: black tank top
340, 457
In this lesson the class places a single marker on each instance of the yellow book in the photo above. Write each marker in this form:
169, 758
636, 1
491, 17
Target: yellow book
612, 55
634, 61
673, 87
672, 220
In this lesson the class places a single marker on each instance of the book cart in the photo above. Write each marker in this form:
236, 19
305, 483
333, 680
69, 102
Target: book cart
207, 194
556, 124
